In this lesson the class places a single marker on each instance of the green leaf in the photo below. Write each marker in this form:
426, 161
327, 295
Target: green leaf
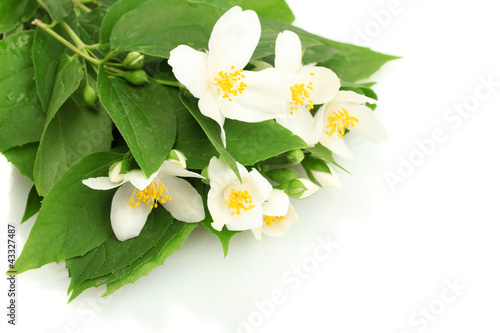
87, 25
144, 116
326, 154
282, 175
14, 12
23, 158
21, 116
113, 254
68, 77
158, 26
76, 131
274, 9
224, 235
170, 242
114, 14
74, 218
59, 9
211, 129
33, 204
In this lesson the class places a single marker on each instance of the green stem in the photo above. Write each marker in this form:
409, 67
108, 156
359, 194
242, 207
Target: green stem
83, 7
63, 41
74, 36
167, 83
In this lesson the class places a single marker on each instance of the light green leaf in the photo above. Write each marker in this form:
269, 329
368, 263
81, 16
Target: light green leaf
33, 204
59, 9
68, 77
23, 158
14, 12
21, 116
113, 254
73, 219
274, 9
224, 235
76, 131
211, 129
158, 26
143, 115
326, 154
114, 14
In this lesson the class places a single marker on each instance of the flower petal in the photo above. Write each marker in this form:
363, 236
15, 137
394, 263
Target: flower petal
277, 204
278, 229
169, 169
100, 183
348, 96
302, 124
288, 52
368, 127
233, 40
249, 219
329, 180
127, 222
325, 83
186, 204
257, 232
138, 178
336, 145
259, 187
220, 173
190, 68
209, 107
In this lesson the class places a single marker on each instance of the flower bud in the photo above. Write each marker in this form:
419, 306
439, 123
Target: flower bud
177, 157
299, 188
281, 176
136, 77
295, 156
90, 95
321, 172
117, 170
134, 60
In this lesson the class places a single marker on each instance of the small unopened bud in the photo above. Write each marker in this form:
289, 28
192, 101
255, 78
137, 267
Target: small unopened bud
117, 170
90, 95
294, 156
299, 188
177, 157
281, 176
327, 179
134, 60
136, 77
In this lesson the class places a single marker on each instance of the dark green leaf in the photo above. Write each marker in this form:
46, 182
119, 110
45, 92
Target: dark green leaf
14, 12
76, 131
158, 26
114, 14
68, 77
23, 158
21, 116
59, 9
74, 218
144, 116
113, 254
33, 204
211, 129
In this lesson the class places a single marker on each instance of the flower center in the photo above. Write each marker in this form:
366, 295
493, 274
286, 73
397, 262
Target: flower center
238, 201
339, 121
269, 220
150, 196
229, 84
301, 96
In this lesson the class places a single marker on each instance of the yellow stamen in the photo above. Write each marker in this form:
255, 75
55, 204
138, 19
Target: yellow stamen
339, 121
229, 84
301, 96
269, 220
150, 196
238, 201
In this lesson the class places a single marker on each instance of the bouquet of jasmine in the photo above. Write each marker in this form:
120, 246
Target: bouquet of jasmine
140, 120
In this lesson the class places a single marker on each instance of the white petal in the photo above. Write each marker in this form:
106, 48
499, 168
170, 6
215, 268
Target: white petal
219, 172
186, 204
127, 222
233, 40
288, 52
100, 183
190, 68
311, 188
329, 180
347, 96
209, 107
138, 178
259, 187
368, 127
169, 169
278, 229
257, 232
336, 145
302, 124
249, 219
325, 83
277, 204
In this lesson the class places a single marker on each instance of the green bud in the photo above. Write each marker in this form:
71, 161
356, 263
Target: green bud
136, 77
134, 60
295, 156
90, 95
299, 188
316, 164
281, 176
178, 158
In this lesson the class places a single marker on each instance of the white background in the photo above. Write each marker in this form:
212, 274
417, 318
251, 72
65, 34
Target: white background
399, 249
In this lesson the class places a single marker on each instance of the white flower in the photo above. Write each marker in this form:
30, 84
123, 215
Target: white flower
307, 188
329, 180
308, 85
217, 77
138, 195
348, 111
278, 216
236, 205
